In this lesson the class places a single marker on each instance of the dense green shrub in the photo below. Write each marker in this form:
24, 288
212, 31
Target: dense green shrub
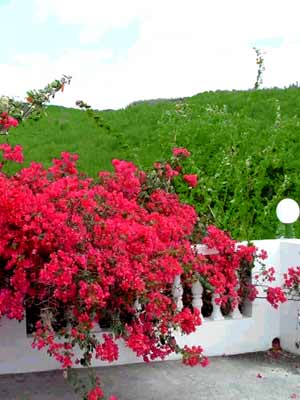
244, 147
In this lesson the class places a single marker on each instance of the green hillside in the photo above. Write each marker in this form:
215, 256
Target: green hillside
245, 148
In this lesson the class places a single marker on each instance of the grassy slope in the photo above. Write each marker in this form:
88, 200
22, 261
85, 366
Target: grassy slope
240, 150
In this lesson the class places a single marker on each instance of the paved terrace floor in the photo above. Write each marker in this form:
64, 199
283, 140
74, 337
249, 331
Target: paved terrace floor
255, 376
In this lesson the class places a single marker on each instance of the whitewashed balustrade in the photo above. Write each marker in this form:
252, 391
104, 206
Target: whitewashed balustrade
197, 293
254, 332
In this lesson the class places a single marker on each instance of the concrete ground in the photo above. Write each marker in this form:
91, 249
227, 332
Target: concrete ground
255, 376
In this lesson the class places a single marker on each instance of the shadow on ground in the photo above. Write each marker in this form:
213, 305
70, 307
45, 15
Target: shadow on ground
255, 376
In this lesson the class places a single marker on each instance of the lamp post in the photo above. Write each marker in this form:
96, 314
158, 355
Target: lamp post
288, 212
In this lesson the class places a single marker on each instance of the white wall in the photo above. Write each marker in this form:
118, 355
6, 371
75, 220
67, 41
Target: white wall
289, 321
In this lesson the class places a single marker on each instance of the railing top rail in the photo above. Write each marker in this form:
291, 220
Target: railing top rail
203, 249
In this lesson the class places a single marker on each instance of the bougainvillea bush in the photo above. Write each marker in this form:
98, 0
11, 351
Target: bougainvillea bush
86, 250
13, 111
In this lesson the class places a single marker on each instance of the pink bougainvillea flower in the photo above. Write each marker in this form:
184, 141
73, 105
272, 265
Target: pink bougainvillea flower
181, 151
263, 254
7, 121
292, 278
192, 180
170, 172
187, 320
193, 356
107, 351
95, 394
12, 153
275, 296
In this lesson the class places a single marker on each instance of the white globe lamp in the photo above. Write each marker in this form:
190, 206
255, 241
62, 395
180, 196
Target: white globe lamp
288, 212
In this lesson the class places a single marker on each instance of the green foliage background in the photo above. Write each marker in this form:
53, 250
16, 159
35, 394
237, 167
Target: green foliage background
245, 148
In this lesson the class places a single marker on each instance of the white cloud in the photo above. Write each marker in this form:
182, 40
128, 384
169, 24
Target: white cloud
217, 20
95, 17
282, 65
183, 48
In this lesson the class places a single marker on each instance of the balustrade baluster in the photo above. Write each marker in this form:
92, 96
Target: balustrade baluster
216, 314
197, 291
235, 313
137, 305
177, 292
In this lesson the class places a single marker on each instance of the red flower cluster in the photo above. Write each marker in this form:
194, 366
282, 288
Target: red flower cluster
193, 356
266, 274
95, 394
181, 152
292, 279
165, 171
275, 296
188, 322
192, 180
6, 122
89, 248
12, 153
107, 351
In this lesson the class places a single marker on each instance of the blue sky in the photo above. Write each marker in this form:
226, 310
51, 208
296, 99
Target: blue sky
53, 37
274, 42
124, 50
